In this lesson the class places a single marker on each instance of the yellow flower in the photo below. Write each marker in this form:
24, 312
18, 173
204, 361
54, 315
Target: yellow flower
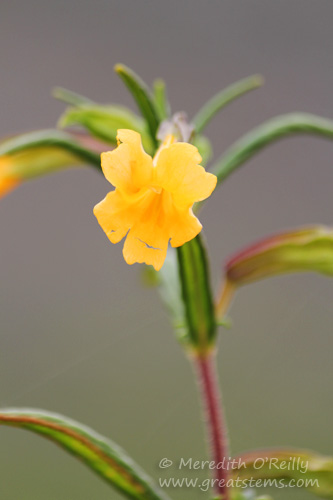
153, 199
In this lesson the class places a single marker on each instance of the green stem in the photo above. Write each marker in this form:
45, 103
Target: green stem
201, 329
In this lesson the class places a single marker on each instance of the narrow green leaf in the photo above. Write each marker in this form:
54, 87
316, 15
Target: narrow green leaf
161, 101
298, 468
100, 454
70, 97
196, 292
141, 94
103, 122
223, 98
270, 131
53, 138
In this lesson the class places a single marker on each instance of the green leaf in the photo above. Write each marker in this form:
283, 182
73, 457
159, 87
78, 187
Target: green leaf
50, 138
141, 94
270, 131
100, 454
161, 101
70, 97
223, 98
196, 292
298, 468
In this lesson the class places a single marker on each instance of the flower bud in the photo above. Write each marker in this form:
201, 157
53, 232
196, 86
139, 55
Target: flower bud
29, 163
304, 249
308, 249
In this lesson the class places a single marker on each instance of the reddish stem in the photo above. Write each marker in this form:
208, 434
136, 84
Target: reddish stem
215, 421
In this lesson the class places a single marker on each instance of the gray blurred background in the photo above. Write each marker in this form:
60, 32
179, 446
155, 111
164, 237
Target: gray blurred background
79, 335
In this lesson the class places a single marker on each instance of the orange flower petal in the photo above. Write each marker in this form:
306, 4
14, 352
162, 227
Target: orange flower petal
137, 250
178, 172
184, 227
116, 215
128, 167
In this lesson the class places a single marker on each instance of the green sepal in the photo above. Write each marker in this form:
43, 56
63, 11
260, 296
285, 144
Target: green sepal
168, 285
169, 288
204, 147
223, 98
288, 465
142, 97
267, 133
104, 121
197, 294
100, 454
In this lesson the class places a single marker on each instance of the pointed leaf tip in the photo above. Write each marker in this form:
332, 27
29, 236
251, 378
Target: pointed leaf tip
99, 453
142, 97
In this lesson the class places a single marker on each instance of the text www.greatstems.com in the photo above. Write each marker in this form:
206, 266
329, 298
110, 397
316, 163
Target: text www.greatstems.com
206, 484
